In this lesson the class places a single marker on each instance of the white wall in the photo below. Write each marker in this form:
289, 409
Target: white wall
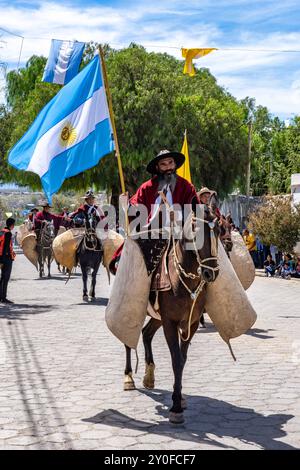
295, 187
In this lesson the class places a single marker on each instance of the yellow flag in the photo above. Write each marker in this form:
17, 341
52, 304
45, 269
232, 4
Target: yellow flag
184, 170
190, 54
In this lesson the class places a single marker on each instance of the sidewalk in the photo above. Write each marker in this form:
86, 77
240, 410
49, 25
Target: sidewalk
261, 273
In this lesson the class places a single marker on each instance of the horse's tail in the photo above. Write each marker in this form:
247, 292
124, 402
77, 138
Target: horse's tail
108, 275
137, 361
69, 276
231, 350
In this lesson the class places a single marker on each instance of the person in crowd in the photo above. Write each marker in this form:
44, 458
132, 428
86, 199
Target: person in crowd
296, 272
65, 212
209, 197
276, 254
250, 243
286, 266
87, 211
270, 266
31, 217
46, 215
7, 256
259, 253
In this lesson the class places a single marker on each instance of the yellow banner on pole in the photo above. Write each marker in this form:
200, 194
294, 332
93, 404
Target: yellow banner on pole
190, 54
184, 171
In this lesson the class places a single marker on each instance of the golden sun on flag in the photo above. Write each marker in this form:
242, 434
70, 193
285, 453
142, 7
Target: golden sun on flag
68, 135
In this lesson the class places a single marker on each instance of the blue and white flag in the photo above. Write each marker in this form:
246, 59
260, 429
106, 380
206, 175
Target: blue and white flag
71, 133
63, 62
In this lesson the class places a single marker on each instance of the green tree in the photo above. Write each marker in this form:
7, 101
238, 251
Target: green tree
275, 151
3, 210
153, 103
277, 223
6, 124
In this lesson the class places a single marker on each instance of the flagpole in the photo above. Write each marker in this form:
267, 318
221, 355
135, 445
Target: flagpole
112, 118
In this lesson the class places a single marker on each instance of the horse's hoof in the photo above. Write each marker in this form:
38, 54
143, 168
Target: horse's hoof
92, 299
183, 404
148, 380
129, 382
85, 298
176, 418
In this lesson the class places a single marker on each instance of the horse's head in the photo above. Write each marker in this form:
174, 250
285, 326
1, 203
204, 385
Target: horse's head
90, 221
200, 234
47, 233
49, 229
214, 203
225, 233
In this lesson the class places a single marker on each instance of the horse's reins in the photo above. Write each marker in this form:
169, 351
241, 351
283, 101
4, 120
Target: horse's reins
181, 271
45, 237
92, 237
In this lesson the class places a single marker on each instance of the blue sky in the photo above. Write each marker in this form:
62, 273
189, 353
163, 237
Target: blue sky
273, 78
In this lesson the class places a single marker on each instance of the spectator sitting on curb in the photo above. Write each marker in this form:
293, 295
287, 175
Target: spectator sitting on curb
296, 272
286, 266
270, 266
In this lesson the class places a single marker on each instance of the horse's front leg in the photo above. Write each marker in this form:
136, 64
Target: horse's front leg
49, 263
128, 380
171, 333
148, 332
184, 346
92, 294
84, 279
40, 262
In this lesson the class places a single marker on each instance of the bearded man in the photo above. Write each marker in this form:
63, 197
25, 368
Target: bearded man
176, 189
164, 178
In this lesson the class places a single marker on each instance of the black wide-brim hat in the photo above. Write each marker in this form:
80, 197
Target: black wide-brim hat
179, 159
88, 194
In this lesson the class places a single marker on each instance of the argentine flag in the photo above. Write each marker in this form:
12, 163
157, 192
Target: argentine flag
71, 133
63, 61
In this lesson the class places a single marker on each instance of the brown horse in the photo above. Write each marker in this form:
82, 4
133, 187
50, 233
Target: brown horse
180, 308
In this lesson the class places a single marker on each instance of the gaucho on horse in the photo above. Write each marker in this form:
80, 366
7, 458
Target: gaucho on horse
179, 267
46, 225
89, 253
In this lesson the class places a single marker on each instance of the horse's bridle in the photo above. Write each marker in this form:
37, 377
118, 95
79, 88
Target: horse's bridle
44, 235
213, 249
201, 262
90, 235
194, 294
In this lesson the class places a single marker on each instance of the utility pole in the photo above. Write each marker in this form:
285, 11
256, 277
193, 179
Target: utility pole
248, 172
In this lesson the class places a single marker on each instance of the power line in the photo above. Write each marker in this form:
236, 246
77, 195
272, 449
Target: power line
163, 46
9, 32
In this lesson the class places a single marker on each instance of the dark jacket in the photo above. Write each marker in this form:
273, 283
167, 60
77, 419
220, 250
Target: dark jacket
6, 245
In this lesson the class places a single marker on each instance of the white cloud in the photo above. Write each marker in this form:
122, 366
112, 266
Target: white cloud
281, 99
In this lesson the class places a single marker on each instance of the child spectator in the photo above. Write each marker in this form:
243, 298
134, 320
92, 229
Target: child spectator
269, 266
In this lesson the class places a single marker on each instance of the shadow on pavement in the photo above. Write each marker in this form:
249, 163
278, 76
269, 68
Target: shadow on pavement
289, 316
206, 417
20, 311
98, 301
257, 333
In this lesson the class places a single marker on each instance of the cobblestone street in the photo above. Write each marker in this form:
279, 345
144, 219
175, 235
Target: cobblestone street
61, 375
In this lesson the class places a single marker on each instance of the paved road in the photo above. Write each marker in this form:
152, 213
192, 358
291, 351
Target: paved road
61, 375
